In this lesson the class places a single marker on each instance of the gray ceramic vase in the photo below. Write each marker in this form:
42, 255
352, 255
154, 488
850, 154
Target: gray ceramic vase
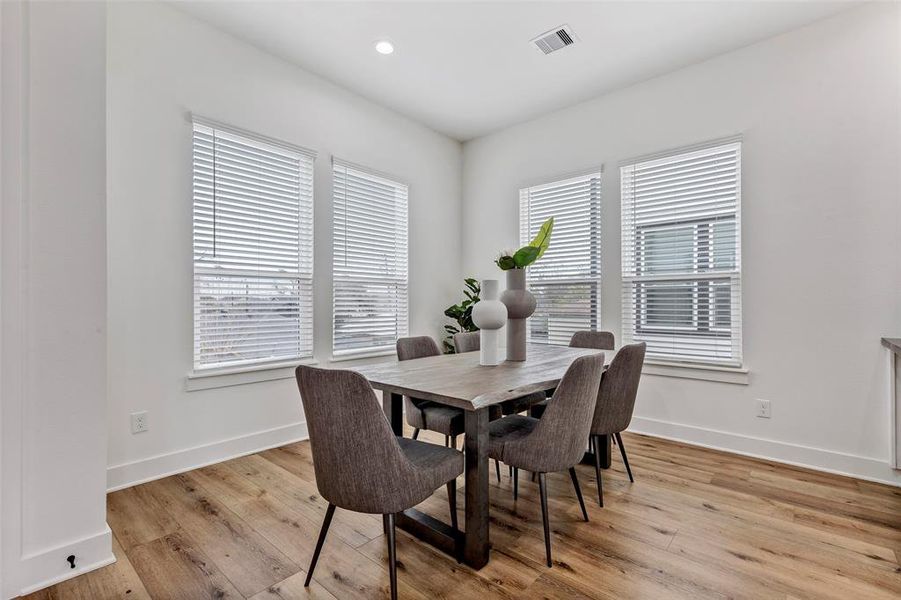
520, 305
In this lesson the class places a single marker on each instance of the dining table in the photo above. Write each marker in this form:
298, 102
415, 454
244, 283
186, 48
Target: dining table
459, 380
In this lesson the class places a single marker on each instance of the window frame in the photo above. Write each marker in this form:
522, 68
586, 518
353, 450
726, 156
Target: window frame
702, 270
399, 281
527, 231
303, 277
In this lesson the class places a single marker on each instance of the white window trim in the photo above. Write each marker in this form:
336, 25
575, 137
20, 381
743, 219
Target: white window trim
371, 352
216, 377
525, 239
710, 371
228, 377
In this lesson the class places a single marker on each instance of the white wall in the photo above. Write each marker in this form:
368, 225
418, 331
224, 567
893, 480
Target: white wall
162, 65
53, 292
819, 110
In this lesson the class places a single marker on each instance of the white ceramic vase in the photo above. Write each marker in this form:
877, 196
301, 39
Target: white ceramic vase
489, 314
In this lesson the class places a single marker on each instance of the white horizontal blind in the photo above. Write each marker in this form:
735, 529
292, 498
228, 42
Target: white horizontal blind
369, 261
566, 281
681, 255
253, 249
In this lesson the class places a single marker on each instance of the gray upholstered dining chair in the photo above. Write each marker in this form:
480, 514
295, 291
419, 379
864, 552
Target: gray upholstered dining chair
432, 416
616, 402
556, 442
597, 340
360, 464
470, 341
424, 414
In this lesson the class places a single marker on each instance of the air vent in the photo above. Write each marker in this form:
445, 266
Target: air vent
555, 39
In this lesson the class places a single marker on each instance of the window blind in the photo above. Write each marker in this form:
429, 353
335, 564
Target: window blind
369, 261
253, 249
566, 281
681, 254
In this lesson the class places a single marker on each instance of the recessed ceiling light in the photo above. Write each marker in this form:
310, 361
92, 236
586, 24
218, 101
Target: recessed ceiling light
384, 47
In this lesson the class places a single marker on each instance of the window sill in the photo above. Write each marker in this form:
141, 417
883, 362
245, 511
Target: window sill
202, 380
734, 375
363, 354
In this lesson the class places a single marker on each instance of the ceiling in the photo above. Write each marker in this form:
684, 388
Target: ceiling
467, 68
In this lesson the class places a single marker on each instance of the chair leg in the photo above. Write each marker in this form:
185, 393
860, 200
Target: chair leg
497, 469
597, 468
533, 476
447, 441
392, 555
575, 478
416, 433
454, 442
622, 450
322, 531
509, 471
452, 501
542, 484
515, 483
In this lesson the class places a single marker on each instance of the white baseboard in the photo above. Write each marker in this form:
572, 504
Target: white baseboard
162, 465
44, 568
818, 459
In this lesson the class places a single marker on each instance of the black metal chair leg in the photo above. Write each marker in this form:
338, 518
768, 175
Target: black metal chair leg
322, 531
497, 469
575, 478
509, 470
454, 442
533, 476
447, 441
392, 555
542, 484
452, 501
597, 468
622, 450
515, 483
416, 433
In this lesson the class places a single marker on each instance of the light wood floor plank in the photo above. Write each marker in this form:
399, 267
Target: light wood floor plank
696, 524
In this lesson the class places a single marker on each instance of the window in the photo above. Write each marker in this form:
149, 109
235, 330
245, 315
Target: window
682, 254
369, 261
566, 281
253, 249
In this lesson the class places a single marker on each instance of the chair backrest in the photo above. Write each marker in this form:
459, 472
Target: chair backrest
619, 387
416, 347
467, 341
559, 439
599, 340
358, 462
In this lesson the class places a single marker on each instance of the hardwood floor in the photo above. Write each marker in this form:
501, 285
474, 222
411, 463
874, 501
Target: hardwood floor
695, 524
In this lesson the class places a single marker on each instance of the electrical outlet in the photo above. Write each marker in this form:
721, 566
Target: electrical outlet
763, 409
139, 422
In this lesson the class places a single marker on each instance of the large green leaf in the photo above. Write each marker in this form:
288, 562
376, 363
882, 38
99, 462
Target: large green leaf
543, 238
525, 256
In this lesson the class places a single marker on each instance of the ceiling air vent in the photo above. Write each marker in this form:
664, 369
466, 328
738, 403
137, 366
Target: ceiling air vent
555, 39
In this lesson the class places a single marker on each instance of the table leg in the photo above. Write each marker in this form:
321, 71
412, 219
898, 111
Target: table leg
393, 405
606, 453
475, 545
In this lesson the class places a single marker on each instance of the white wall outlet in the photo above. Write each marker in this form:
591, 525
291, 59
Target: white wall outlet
763, 409
139, 422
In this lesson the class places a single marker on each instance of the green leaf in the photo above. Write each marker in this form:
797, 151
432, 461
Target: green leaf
506, 263
543, 239
525, 256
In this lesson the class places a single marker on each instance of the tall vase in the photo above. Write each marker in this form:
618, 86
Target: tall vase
489, 315
520, 305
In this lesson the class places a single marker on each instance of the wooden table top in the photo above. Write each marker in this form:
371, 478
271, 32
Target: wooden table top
458, 379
